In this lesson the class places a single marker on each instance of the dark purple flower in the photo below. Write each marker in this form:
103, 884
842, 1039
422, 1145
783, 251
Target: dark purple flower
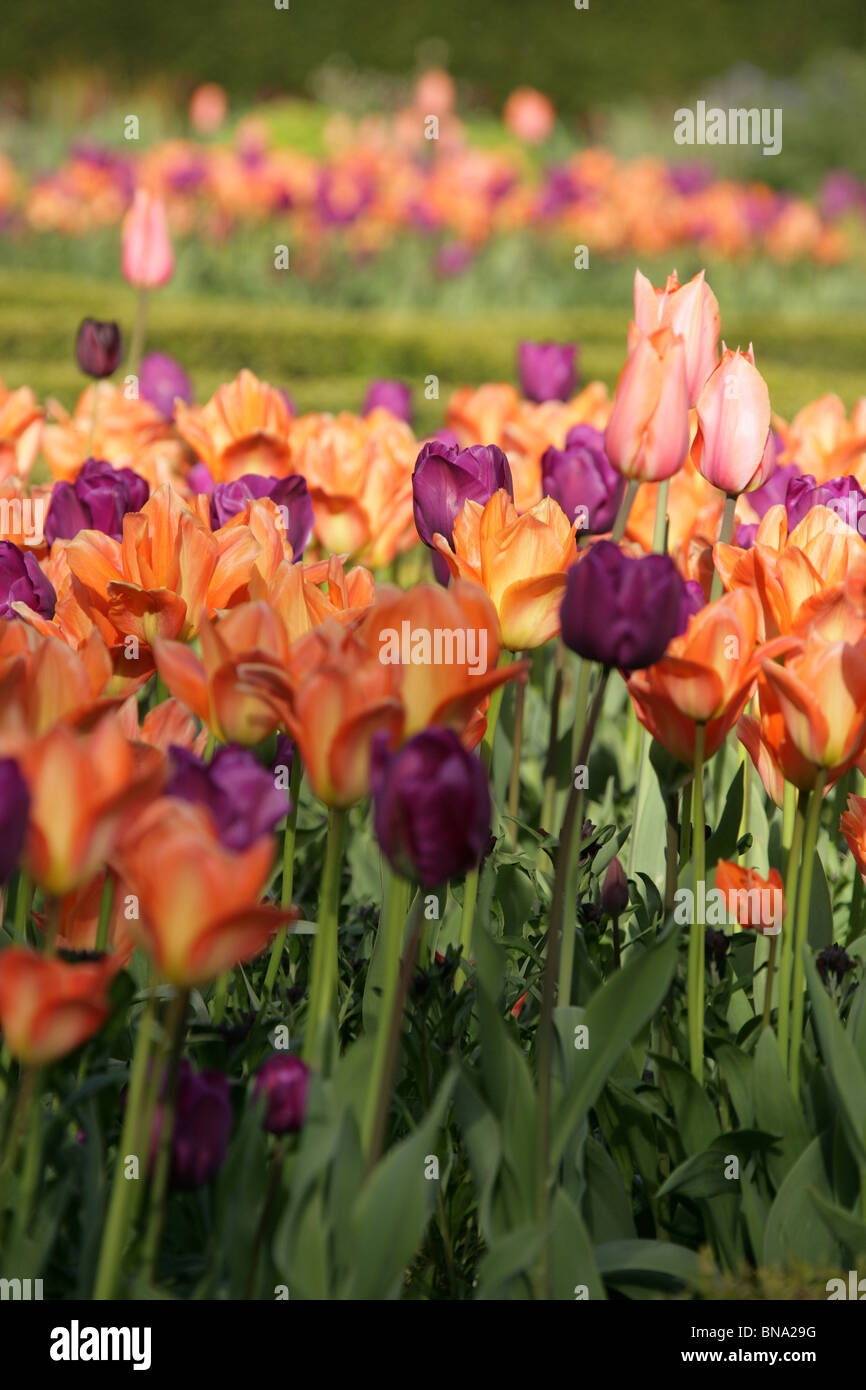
14, 810
161, 380
98, 500
692, 602
284, 1079
431, 806
202, 1127
445, 477
22, 581
98, 348
290, 494
239, 793
620, 610
614, 889
844, 496
547, 370
582, 480
395, 396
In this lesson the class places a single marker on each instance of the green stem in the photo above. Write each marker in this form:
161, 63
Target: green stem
32, 1154
105, 906
516, 754
22, 905
394, 1022
804, 892
467, 922
94, 415
696, 968
624, 512
661, 522
288, 871
549, 796
139, 330
786, 960
686, 824
768, 990
493, 717
396, 893
324, 971
159, 1189
724, 539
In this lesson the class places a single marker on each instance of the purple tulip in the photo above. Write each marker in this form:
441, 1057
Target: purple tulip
14, 810
290, 494
161, 380
692, 602
614, 889
844, 496
200, 480
284, 1079
98, 500
548, 371
22, 581
395, 396
98, 348
202, 1127
239, 793
444, 478
619, 610
582, 480
431, 806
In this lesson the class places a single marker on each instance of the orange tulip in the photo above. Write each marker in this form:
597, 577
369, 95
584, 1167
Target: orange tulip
647, 435
129, 433
521, 561
46, 681
244, 428
853, 827
78, 928
341, 696
692, 312
50, 1007
705, 677
756, 903
81, 788
199, 902
446, 645
20, 431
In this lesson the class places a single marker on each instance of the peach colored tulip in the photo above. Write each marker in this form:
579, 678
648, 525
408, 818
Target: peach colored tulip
244, 428
647, 435
692, 312
734, 446
147, 258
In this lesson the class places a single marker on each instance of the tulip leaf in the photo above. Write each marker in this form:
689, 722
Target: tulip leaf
845, 1226
846, 1075
776, 1109
651, 1264
795, 1230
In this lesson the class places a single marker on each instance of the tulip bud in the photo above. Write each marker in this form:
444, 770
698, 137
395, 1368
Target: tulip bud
734, 446
547, 370
98, 500
162, 381
202, 1127
445, 477
238, 792
290, 494
647, 435
284, 1080
431, 806
614, 889
582, 480
22, 581
692, 312
394, 396
619, 610
98, 348
147, 258
14, 810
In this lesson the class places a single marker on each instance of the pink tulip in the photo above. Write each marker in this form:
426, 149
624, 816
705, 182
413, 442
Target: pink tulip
734, 446
147, 260
690, 310
647, 436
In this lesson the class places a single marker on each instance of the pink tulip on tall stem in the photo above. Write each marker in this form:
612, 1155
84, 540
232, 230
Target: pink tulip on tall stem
147, 259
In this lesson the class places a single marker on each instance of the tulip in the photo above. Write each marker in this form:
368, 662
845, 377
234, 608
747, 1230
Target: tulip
98, 500
284, 1081
614, 889
234, 787
98, 348
244, 428
691, 602
394, 396
853, 827
757, 903
547, 370
692, 312
147, 258
444, 478
621, 611
199, 901
581, 478
162, 381
14, 810
647, 435
842, 496
734, 446
202, 1126
291, 495
22, 581
431, 806
520, 560
48, 1008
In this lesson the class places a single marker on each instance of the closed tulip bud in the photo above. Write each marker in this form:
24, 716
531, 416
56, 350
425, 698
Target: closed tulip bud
431, 806
444, 478
692, 312
234, 787
843, 496
22, 581
647, 435
98, 500
147, 258
582, 480
14, 810
98, 348
619, 610
394, 396
202, 1127
162, 381
284, 1080
547, 370
614, 889
291, 495
734, 446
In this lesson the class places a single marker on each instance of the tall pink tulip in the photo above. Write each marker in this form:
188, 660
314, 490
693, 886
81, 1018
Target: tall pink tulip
734, 447
647, 436
147, 258
691, 311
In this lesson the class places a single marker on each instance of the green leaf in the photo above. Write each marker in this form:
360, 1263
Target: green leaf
655, 1264
723, 841
504, 1271
846, 1075
776, 1109
571, 1257
795, 1230
845, 1226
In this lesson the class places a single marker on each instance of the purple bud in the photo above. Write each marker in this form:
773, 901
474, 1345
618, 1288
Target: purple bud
445, 478
14, 810
98, 500
200, 480
431, 806
692, 602
202, 1127
583, 481
98, 348
614, 890
619, 610
161, 380
395, 396
284, 1079
239, 793
22, 581
547, 370
844, 496
772, 493
290, 494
